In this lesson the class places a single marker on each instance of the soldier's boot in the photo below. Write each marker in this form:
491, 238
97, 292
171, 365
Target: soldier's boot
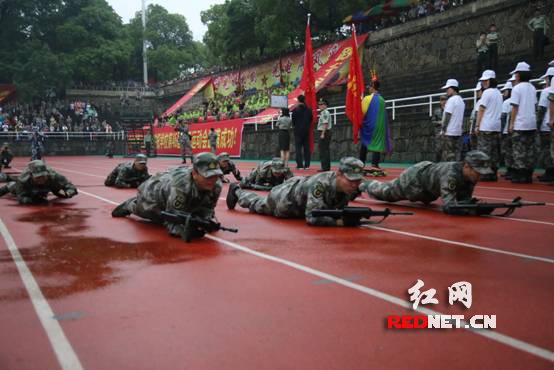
121, 210
4, 190
527, 176
517, 175
232, 197
548, 175
509, 173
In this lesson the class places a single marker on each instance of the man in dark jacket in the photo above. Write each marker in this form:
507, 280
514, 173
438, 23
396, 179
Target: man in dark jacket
301, 121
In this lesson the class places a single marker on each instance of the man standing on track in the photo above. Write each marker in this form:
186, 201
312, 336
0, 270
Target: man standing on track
184, 141
299, 196
193, 190
35, 182
130, 174
426, 181
301, 121
6, 156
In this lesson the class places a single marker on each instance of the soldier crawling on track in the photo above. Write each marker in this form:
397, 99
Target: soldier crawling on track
268, 173
130, 174
228, 166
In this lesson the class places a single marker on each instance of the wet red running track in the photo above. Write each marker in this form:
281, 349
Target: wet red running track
122, 294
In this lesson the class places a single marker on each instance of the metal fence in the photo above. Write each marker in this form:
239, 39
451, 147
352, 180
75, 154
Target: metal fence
116, 136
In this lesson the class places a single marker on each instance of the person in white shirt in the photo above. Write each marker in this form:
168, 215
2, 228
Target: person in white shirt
523, 124
551, 121
506, 143
543, 115
452, 122
488, 125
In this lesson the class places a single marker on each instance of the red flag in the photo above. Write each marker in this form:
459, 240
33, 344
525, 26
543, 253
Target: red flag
307, 83
354, 90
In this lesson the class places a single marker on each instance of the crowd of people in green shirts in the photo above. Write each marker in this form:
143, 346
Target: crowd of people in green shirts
232, 106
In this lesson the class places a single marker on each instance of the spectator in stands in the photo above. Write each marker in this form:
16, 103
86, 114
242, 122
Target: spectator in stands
482, 53
301, 121
492, 44
523, 124
452, 122
284, 124
539, 26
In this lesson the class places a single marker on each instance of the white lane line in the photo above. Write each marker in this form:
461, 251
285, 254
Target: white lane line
62, 348
374, 201
493, 335
461, 244
78, 172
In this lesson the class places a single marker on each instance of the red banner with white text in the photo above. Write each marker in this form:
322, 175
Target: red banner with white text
229, 138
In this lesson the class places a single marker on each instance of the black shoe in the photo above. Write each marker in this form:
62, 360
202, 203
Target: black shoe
548, 175
322, 170
120, 211
4, 190
7, 166
517, 176
299, 168
232, 197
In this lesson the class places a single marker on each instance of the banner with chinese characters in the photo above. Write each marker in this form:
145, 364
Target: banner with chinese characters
288, 69
229, 138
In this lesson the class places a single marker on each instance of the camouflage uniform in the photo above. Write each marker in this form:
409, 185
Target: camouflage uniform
451, 148
427, 181
299, 196
523, 145
488, 142
126, 176
263, 174
231, 168
27, 192
212, 138
545, 149
6, 156
175, 190
436, 121
184, 141
37, 147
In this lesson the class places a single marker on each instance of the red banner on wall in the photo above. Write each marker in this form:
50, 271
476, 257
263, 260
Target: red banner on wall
229, 138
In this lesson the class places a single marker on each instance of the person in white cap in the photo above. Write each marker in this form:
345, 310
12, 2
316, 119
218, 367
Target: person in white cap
543, 116
473, 116
452, 122
488, 125
551, 64
523, 124
506, 142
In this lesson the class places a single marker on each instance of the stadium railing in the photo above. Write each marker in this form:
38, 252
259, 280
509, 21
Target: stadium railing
117, 136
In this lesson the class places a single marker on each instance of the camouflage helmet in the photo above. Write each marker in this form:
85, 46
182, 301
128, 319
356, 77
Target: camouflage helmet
35, 168
479, 161
224, 156
277, 165
352, 168
206, 164
141, 158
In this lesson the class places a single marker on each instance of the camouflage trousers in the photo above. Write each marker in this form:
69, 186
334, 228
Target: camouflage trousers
523, 149
451, 148
278, 202
437, 147
545, 154
144, 207
506, 148
186, 149
407, 186
489, 143
36, 152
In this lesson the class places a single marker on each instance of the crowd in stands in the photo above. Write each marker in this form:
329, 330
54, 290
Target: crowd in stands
220, 108
130, 86
416, 11
55, 116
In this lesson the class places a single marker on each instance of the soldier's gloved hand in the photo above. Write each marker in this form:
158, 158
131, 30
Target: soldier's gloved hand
71, 193
350, 221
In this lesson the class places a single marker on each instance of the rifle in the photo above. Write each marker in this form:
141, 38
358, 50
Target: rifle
351, 216
194, 226
259, 187
488, 208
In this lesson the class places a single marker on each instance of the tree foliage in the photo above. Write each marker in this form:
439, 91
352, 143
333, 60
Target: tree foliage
48, 44
242, 31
